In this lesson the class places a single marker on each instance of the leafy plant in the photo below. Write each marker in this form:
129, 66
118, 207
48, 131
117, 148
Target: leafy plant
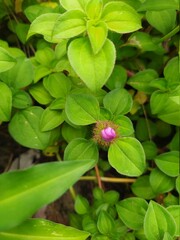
96, 85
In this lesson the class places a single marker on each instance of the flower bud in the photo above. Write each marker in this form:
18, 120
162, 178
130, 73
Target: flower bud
108, 134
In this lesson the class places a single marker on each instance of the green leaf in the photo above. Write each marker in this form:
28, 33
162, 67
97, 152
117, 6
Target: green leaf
94, 9
69, 24
69, 133
167, 236
40, 94
25, 129
51, 119
73, 4
167, 105
81, 205
80, 149
36, 187
125, 126
85, 105
175, 213
160, 182
41, 228
132, 212
140, 81
118, 101
126, 155
20, 75
21, 99
5, 102
44, 24
168, 163
105, 223
97, 34
120, 17
45, 56
150, 149
6, 60
178, 184
172, 73
163, 20
142, 188
154, 5
94, 70
57, 84
158, 221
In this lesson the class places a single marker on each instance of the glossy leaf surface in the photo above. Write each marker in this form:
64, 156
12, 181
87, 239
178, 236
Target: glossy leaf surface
36, 187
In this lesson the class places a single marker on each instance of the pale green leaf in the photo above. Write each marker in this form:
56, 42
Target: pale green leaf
6, 60
73, 4
94, 70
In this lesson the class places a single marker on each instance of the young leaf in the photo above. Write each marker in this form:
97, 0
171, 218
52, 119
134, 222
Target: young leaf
80, 148
94, 70
69, 24
172, 73
132, 212
6, 60
21, 99
94, 9
118, 101
44, 24
82, 109
97, 34
158, 221
5, 102
125, 126
105, 223
126, 155
178, 184
120, 17
73, 4
36, 187
168, 163
25, 129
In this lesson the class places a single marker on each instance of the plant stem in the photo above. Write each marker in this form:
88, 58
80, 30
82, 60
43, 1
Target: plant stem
108, 179
169, 35
98, 177
73, 193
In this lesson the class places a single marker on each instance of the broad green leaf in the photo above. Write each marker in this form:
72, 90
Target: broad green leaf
6, 60
97, 34
51, 119
40, 94
172, 73
43, 229
125, 126
163, 20
73, 4
142, 188
45, 56
169, 163
105, 223
69, 133
132, 212
120, 17
140, 81
44, 24
57, 104
150, 149
158, 221
82, 109
57, 84
126, 155
154, 5
20, 75
167, 105
174, 210
23, 192
94, 9
160, 182
21, 99
69, 24
94, 70
80, 149
118, 101
5, 102
167, 236
41, 71
25, 129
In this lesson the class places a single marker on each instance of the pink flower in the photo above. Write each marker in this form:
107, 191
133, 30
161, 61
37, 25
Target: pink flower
108, 134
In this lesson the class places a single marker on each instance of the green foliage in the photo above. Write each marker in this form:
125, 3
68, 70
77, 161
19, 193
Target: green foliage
97, 84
